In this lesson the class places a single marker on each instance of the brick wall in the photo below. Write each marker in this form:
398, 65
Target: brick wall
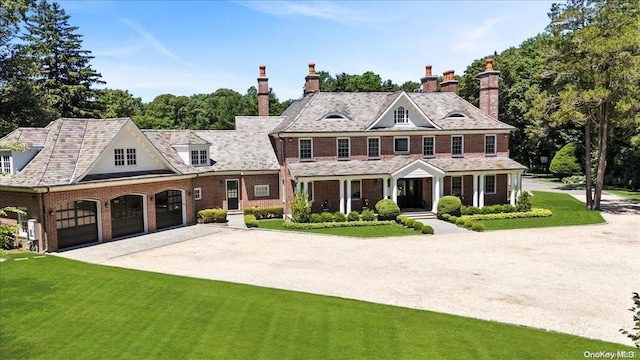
214, 191
31, 201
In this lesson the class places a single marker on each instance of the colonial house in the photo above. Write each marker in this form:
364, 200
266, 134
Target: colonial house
91, 180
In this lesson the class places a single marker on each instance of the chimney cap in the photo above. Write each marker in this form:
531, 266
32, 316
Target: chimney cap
263, 71
428, 70
312, 68
448, 75
489, 66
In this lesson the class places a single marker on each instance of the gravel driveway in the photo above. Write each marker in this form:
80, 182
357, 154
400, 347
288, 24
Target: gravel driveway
576, 279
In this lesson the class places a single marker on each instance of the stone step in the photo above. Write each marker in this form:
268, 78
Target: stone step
419, 215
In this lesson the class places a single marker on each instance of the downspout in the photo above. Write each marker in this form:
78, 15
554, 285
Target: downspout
193, 201
283, 176
44, 222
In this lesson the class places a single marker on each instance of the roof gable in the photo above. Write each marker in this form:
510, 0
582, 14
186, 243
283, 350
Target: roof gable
415, 116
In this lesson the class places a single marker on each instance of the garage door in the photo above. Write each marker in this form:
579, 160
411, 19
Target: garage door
77, 223
127, 216
168, 209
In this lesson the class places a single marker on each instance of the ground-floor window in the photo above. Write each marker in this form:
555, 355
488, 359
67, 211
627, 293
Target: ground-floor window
356, 189
456, 185
261, 190
197, 194
490, 184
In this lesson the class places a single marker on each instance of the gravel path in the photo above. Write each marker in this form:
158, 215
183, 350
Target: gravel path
576, 280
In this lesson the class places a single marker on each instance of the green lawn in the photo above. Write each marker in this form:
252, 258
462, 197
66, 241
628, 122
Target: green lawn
54, 308
630, 195
566, 209
359, 231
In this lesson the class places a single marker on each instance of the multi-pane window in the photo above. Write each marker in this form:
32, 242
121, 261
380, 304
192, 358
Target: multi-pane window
195, 160
490, 184
401, 144
343, 148
490, 144
203, 157
428, 146
456, 145
305, 149
261, 190
356, 190
456, 185
118, 157
131, 157
5, 164
197, 193
199, 157
401, 115
373, 148
23, 221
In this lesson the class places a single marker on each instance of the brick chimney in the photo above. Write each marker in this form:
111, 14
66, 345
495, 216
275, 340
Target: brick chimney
429, 82
263, 92
449, 82
489, 90
312, 81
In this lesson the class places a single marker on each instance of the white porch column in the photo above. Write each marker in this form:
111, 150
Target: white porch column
298, 185
519, 186
435, 194
481, 185
475, 190
512, 193
385, 187
348, 195
341, 182
394, 190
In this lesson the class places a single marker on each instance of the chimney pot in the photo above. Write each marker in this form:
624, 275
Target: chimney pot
263, 92
429, 82
263, 71
489, 65
312, 81
428, 70
449, 82
312, 69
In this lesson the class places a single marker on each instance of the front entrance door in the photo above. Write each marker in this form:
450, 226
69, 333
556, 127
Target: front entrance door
410, 193
127, 216
232, 195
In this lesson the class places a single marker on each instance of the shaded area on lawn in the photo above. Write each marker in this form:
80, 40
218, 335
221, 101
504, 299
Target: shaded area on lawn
57, 308
360, 231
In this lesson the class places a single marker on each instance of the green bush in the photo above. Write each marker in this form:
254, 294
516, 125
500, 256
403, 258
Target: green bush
251, 221
8, 236
469, 210
339, 217
427, 229
353, 216
410, 223
368, 215
405, 221
478, 227
445, 217
468, 224
418, 225
574, 180
565, 163
524, 201
315, 218
399, 218
304, 226
206, 216
461, 221
449, 205
300, 207
326, 216
387, 209
266, 212
513, 215
453, 219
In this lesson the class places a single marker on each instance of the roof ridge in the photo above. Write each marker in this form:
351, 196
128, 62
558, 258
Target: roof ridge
84, 137
311, 99
55, 141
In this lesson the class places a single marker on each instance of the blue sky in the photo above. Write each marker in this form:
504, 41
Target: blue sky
189, 47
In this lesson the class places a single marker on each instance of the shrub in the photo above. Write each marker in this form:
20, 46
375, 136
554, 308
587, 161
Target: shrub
524, 201
339, 217
478, 227
565, 162
295, 225
7, 236
301, 207
427, 229
410, 223
468, 224
251, 221
353, 216
634, 333
513, 215
326, 216
387, 209
453, 219
206, 216
405, 221
368, 215
399, 218
418, 225
315, 218
449, 205
446, 217
460, 221
574, 180
469, 210
266, 212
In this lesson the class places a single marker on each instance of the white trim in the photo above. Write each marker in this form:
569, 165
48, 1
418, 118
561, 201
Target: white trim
263, 193
408, 151
461, 146
400, 113
299, 149
456, 112
418, 163
495, 184
379, 147
338, 148
197, 193
495, 145
434, 146
334, 113
394, 105
381, 132
226, 193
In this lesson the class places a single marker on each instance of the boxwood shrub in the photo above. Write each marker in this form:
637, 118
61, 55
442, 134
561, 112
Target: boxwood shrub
212, 216
315, 218
478, 227
538, 212
468, 224
453, 219
418, 225
265, 212
399, 218
368, 215
427, 229
339, 217
353, 216
387, 209
251, 221
460, 221
449, 205
326, 216
294, 225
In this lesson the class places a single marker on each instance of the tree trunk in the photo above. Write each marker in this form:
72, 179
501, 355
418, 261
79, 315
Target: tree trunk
602, 155
587, 164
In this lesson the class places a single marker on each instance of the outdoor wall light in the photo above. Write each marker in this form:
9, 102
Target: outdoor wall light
51, 211
106, 204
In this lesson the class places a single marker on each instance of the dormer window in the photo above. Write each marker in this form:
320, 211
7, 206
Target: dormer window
5, 164
401, 115
119, 158
199, 157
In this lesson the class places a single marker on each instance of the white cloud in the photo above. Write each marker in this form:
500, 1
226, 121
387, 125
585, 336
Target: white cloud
155, 43
325, 10
479, 38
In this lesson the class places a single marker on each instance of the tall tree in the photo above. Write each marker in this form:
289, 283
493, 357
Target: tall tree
62, 71
595, 64
116, 103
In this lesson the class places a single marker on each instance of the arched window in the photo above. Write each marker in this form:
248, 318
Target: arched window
401, 115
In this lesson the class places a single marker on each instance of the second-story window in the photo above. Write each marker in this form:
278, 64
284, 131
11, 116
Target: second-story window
305, 149
122, 157
490, 144
457, 148
118, 157
5, 164
401, 144
343, 149
428, 146
131, 157
203, 157
401, 115
199, 157
373, 148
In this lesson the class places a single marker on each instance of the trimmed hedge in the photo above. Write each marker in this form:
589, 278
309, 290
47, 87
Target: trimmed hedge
400, 218
514, 215
453, 219
468, 224
418, 226
326, 216
304, 226
353, 216
427, 229
491, 209
449, 205
478, 227
387, 209
339, 217
212, 216
251, 221
461, 221
315, 218
368, 215
266, 212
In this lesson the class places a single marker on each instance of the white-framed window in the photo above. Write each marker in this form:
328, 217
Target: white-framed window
456, 185
5, 164
401, 115
457, 145
343, 148
356, 189
401, 144
118, 157
490, 144
131, 157
305, 149
261, 190
122, 157
373, 148
197, 193
490, 184
23, 221
428, 146
204, 157
199, 157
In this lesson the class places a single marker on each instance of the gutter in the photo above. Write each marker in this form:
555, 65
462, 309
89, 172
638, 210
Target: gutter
44, 221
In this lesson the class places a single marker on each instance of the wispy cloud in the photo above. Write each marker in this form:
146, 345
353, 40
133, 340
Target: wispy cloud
117, 51
474, 38
326, 10
155, 43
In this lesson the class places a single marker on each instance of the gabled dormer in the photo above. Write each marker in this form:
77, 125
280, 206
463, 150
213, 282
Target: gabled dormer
192, 149
15, 156
401, 113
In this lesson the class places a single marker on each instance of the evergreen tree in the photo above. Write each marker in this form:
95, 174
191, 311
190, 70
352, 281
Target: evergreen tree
62, 71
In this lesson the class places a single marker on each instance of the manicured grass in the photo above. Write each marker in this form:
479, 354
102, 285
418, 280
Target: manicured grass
54, 308
566, 209
630, 195
360, 231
